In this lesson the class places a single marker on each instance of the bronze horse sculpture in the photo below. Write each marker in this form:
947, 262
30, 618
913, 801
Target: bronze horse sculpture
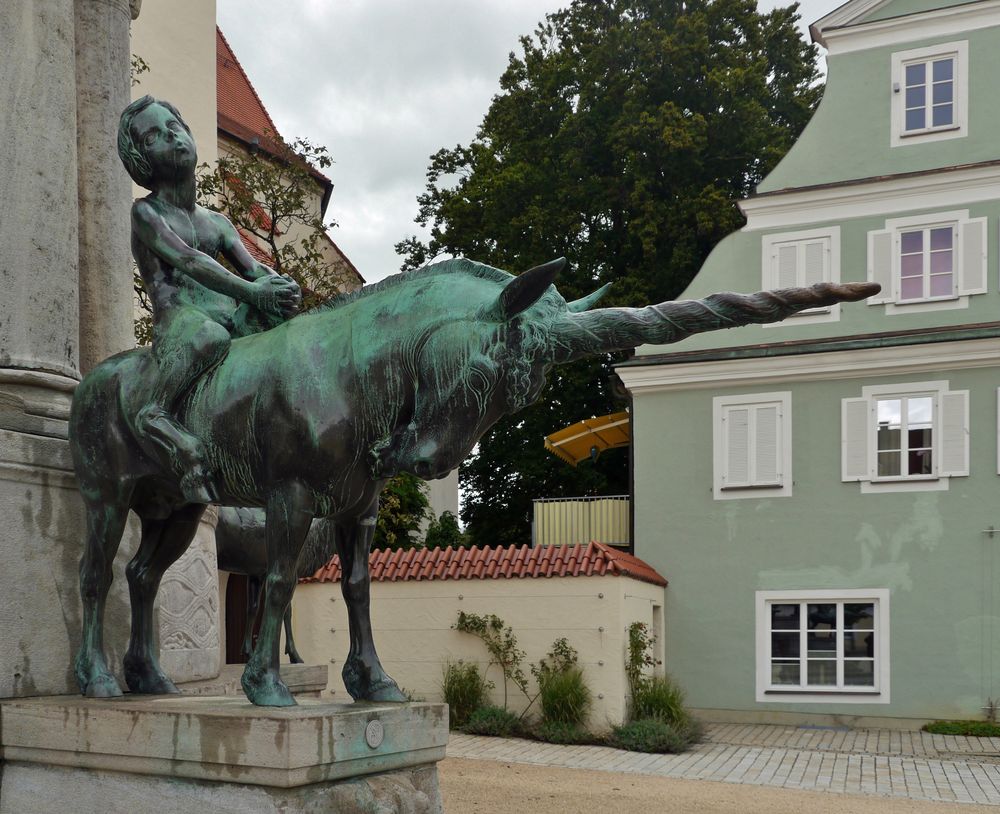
309, 419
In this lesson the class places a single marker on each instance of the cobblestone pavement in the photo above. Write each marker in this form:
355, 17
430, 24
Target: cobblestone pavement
882, 762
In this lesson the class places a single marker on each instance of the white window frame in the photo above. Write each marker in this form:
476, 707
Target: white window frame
770, 244
939, 479
969, 259
959, 52
783, 694
723, 404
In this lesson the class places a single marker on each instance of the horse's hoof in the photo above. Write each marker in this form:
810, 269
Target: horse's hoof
103, 686
267, 690
149, 682
387, 692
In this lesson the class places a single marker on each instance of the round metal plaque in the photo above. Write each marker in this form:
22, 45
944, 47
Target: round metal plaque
374, 734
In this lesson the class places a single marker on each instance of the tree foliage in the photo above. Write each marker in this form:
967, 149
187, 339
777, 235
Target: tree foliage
443, 531
621, 138
402, 508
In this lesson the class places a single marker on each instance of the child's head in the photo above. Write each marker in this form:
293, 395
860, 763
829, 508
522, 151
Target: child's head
131, 146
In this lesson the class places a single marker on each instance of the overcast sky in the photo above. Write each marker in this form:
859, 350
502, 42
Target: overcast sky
384, 84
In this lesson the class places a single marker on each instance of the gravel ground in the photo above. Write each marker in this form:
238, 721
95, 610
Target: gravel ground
492, 787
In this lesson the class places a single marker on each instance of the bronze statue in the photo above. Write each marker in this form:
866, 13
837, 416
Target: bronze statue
310, 418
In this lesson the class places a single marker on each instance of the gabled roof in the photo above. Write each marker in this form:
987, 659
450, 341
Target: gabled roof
512, 562
856, 12
241, 113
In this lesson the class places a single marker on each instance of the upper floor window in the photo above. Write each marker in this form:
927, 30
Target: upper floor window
752, 445
905, 436
930, 93
938, 260
801, 259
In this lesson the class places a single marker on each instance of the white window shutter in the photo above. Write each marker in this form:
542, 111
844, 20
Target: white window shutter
787, 266
880, 265
737, 434
766, 430
954, 445
855, 420
972, 277
815, 263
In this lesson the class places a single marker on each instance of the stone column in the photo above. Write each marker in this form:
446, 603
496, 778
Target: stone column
104, 189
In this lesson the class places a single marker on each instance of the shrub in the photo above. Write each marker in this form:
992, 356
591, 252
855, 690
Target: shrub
569, 734
658, 698
495, 721
650, 735
564, 697
464, 690
978, 729
501, 644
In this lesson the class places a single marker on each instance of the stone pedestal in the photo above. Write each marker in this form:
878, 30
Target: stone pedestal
189, 755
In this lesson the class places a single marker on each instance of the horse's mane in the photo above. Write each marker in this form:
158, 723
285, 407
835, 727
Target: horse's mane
458, 265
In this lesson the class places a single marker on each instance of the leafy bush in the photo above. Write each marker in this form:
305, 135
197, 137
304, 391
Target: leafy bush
650, 735
569, 734
978, 729
658, 698
501, 644
464, 689
495, 721
565, 697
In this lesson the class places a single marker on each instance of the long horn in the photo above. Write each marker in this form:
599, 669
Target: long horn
610, 329
588, 302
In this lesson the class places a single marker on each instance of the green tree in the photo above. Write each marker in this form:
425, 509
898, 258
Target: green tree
443, 531
621, 138
402, 508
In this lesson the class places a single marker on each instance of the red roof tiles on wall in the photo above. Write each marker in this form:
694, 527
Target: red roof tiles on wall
513, 562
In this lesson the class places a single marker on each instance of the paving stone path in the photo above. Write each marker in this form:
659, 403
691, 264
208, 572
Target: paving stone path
882, 762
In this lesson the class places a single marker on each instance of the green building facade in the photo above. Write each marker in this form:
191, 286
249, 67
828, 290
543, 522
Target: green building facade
823, 494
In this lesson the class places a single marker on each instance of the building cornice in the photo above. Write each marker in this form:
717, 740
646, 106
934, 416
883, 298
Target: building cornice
943, 188
899, 353
936, 23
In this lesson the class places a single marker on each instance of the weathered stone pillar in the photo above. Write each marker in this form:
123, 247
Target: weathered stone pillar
44, 524
104, 190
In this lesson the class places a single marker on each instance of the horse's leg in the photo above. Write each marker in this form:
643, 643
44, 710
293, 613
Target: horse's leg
163, 542
253, 610
289, 515
293, 653
106, 515
363, 674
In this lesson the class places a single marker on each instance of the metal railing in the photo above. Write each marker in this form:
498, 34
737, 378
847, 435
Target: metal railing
567, 520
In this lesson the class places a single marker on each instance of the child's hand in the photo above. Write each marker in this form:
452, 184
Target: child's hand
275, 295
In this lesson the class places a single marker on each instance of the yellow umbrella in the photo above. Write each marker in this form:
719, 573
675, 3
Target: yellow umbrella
590, 437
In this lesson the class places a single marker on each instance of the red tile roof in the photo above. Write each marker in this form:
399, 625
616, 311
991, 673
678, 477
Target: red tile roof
239, 110
260, 254
513, 562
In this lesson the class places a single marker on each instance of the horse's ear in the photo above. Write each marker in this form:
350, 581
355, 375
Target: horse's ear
524, 291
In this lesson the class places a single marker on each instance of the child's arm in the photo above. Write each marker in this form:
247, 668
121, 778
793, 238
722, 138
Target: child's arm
268, 292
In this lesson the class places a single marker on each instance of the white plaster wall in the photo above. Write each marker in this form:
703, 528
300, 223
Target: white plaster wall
177, 40
412, 623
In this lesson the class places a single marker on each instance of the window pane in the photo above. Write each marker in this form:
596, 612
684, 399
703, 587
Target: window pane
943, 69
919, 438
911, 265
916, 74
920, 410
911, 288
786, 645
942, 93
785, 673
920, 462
911, 242
941, 238
916, 96
941, 262
859, 645
888, 438
889, 464
942, 116
822, 673
785, 617
942, 286
889, 411
822, 645
859, 616
822, 617
859, 673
